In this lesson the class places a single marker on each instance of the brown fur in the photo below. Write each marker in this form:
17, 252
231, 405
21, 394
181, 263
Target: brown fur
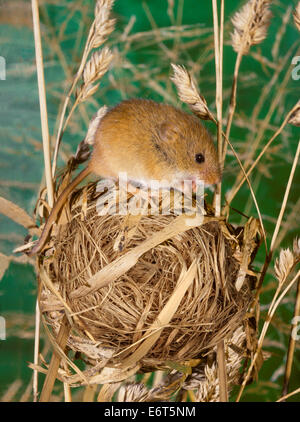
153, 141
148, 141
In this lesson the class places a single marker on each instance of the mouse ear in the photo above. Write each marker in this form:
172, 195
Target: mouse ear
167, 131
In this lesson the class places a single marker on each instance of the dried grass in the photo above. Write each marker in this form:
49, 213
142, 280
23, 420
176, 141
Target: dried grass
250, 25
121, 317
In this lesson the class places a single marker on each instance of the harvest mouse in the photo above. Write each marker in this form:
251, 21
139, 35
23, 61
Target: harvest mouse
147, 141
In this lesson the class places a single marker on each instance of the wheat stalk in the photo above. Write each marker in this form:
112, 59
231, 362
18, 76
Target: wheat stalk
42, 98
47, 157
218, 43
297, 391
36, 350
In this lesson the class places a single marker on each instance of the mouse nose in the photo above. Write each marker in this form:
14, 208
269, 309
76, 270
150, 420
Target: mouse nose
212, 177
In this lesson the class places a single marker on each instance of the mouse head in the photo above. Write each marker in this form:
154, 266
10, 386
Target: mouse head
189, 150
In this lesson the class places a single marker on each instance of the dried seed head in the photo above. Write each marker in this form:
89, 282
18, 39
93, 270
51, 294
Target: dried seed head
188, 93
93, 126
136, 392
103, 24
297, 16
102, 10
284, 264
205, 380
86, 91
94, 69
250, 23
295, 117
97, 66
101, 35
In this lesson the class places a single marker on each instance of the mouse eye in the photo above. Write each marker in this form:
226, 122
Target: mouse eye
199, 158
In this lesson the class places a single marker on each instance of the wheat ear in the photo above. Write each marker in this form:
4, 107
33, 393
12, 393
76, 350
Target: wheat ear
188, 92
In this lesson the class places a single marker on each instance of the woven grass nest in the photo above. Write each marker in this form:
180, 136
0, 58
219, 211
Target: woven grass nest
143, 291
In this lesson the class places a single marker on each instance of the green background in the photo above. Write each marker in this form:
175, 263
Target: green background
142, 69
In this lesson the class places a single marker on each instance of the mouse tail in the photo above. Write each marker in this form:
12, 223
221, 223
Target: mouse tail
55, 210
